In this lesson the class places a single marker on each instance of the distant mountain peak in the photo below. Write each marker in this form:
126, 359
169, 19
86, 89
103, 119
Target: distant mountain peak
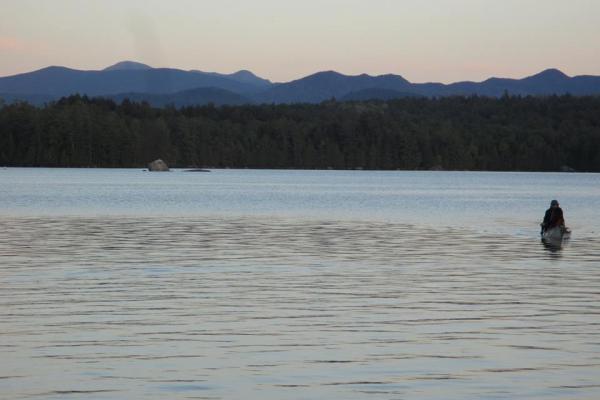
327, 73
550, 73
127, 66
322, 76
247, 76
244, 72
243, 76
337, 75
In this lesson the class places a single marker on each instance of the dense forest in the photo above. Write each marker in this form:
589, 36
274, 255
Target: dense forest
457, 133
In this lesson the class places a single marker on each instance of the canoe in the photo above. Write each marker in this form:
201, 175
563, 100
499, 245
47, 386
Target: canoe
556, 234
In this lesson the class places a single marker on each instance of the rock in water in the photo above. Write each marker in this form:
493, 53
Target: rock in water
158, 166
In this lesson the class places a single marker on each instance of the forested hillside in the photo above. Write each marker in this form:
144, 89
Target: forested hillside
458, 133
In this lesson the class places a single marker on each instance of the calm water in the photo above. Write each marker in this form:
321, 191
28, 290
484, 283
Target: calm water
121, 284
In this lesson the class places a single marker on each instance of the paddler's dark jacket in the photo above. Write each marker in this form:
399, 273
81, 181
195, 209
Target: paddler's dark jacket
547, 217
556, 219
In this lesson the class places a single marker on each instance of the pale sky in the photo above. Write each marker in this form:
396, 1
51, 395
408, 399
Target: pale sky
426, 40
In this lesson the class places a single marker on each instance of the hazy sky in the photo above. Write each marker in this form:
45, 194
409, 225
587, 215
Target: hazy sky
435, 40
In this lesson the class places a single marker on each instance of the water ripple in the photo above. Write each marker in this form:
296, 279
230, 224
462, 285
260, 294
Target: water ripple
155, 307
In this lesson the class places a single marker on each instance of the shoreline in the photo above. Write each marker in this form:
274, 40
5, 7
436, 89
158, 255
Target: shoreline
208, 169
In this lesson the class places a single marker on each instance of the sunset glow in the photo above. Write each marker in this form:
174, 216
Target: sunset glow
437, 40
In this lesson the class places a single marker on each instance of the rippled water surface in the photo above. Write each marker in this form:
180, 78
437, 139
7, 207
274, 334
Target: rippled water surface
120, 284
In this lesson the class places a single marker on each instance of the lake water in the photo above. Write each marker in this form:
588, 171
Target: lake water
244, 284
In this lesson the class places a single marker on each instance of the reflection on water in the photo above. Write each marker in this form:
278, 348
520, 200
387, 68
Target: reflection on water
554, 247
153, 307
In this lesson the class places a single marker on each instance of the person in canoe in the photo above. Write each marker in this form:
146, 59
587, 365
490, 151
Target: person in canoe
554, 218
548, 215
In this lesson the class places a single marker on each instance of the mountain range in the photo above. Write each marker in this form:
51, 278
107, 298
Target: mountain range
162, 86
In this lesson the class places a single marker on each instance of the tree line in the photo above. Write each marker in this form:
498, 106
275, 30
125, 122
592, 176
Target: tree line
454, 133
